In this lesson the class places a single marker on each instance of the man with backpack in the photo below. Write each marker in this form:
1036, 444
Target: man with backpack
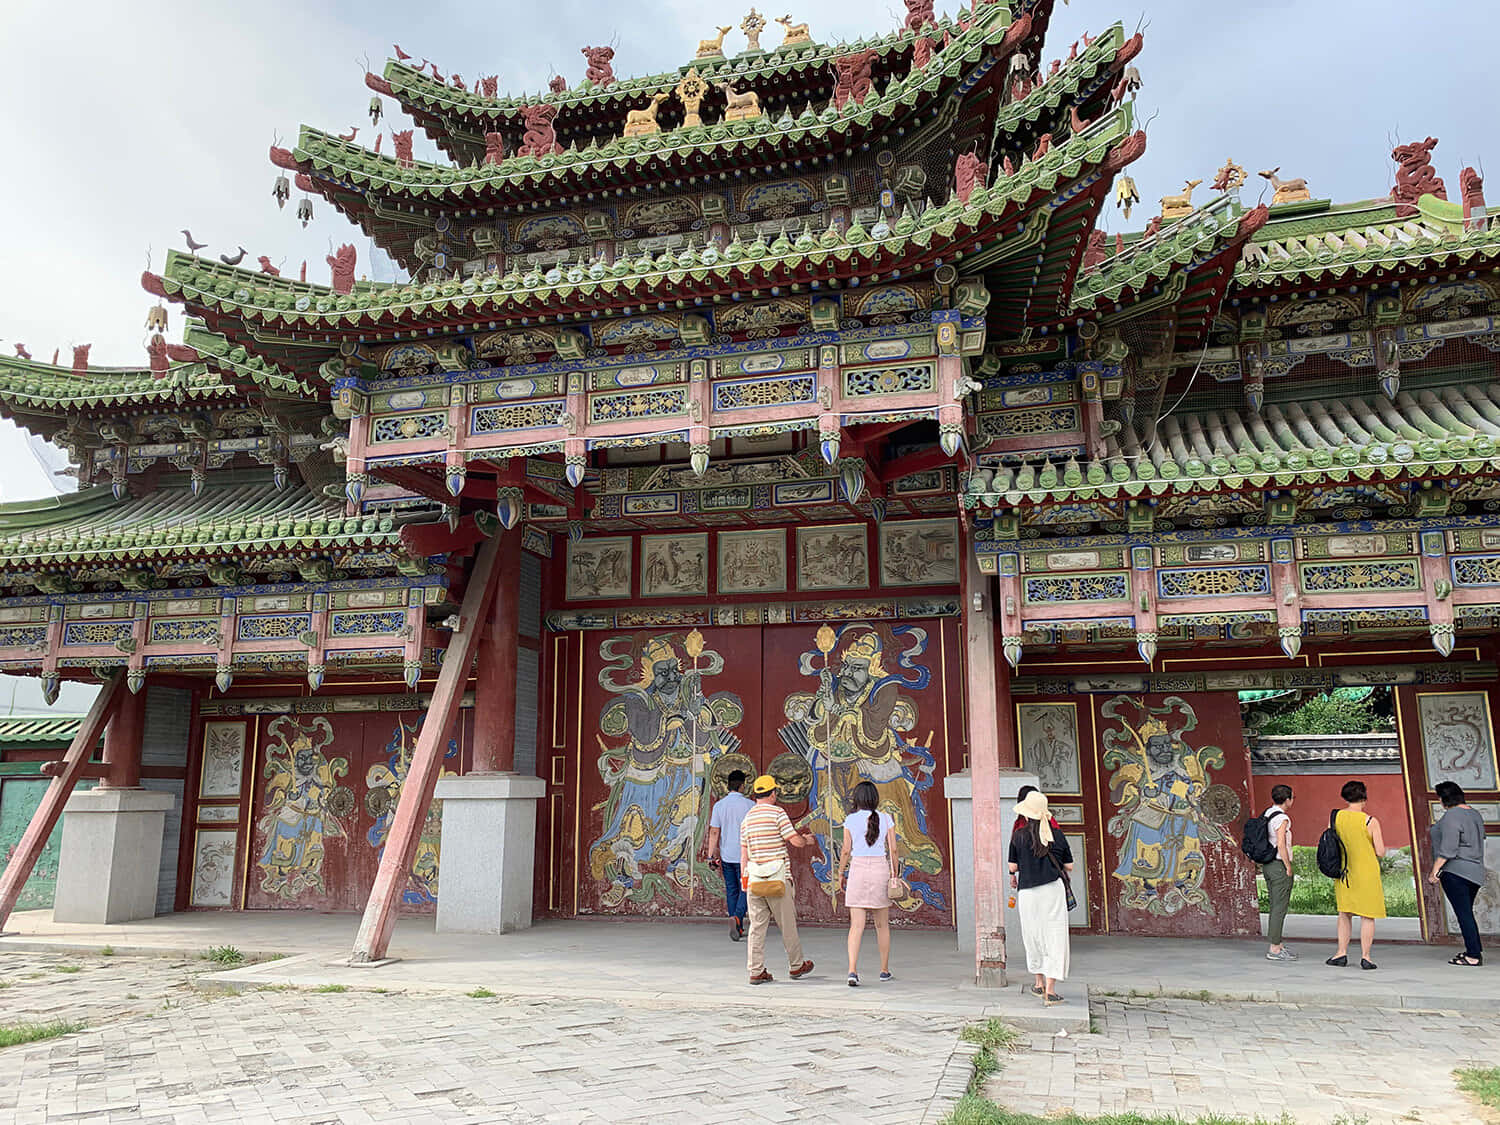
1267, 841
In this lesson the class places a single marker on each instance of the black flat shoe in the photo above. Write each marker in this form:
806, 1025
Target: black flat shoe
1364, 964
1337, 962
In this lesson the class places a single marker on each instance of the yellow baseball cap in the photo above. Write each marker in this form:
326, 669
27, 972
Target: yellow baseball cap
764, 785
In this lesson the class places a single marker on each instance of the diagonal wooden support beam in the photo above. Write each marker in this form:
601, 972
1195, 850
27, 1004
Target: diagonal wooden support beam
49, 811
374, 935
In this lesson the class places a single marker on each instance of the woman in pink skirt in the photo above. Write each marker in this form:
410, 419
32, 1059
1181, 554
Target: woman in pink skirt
869, 856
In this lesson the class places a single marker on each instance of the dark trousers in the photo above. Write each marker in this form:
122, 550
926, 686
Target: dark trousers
1461, 894
734, 896
1279, 891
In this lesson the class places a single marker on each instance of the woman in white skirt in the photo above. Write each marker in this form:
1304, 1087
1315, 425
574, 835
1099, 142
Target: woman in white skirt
1039, 862
870, 857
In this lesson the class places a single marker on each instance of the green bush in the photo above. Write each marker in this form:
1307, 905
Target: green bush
1312, 893
1327, 714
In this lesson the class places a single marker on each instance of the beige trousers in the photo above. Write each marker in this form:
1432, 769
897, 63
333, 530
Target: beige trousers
761, 911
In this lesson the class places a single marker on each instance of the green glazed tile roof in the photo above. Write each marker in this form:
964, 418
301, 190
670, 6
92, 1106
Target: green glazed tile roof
1356, 240
31, 384
39, 730
1147, 261
1429, 433
232, 517
764, 137
414, 87
263, 298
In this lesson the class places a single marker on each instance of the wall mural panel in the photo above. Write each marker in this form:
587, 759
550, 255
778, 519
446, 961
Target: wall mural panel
1178, 778
667, 714
865, 702
324, 795
1048, 736
1458, 741
661, 709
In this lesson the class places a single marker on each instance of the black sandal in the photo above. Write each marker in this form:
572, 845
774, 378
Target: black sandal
1035, 991
1463, 959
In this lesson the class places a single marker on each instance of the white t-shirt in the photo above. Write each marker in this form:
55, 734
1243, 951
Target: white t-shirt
729, 812
1274, 825
858, 823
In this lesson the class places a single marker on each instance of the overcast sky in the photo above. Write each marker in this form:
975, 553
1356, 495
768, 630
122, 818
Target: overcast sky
130, 121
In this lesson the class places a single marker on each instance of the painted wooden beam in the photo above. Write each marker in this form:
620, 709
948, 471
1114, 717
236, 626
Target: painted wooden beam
49, 811
374, 935
918, 462
414, 480
423, 540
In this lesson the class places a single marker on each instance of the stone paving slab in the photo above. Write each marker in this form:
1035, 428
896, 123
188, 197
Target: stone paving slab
1314, 1064
305, 1057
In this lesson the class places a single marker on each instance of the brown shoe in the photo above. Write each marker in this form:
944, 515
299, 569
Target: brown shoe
762, 977
802, 970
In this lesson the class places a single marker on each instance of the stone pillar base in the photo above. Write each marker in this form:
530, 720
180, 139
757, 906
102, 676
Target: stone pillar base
959, 789
488, 852
111, 855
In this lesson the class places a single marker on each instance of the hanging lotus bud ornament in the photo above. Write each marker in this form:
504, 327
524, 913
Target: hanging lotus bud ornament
315, 676
377, 107
304, 211
282, 191
698, 459
575, 531
877, 508
135, 679
51, 685
413, 671
279, 476
509, 504
828, 445
451, 510
223, 678
456, 476
852, 478
574, 471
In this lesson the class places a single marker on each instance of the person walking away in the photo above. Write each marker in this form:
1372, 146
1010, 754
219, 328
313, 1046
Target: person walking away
1040, 860
1020, 824
767, 875
1278, 872
1458, 865
1360, 892
724, 848
870, 857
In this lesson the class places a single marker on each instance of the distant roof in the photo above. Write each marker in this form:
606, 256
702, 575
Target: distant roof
33, 730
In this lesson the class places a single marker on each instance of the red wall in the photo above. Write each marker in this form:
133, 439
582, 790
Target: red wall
1317, 793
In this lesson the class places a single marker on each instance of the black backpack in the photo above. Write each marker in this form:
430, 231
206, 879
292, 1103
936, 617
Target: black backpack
1255, 841
1332, 860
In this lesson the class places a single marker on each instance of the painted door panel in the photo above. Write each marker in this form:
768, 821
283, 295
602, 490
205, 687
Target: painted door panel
19, 797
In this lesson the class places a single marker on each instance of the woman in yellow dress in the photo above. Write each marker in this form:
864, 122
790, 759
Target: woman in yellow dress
1360, 891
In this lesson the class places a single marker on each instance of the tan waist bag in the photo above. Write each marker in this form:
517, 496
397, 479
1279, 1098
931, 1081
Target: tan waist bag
767, 880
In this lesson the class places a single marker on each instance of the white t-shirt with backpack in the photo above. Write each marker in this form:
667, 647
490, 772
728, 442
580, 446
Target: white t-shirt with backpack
1273, 826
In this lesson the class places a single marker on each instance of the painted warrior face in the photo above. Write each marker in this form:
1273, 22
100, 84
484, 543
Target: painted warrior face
306, 762
1160, 749
666, 678
854, 675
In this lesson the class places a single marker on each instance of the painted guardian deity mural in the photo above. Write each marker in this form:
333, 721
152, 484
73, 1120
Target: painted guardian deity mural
304, 806
383, 782
657, 741
858, 725
1167, 806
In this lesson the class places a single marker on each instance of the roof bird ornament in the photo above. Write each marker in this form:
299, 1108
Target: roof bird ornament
401, 56
233, 259
192, 244
350, 135
22, 352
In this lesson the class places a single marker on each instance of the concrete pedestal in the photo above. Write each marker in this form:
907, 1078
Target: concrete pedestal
488, 852
959, 789
111, 855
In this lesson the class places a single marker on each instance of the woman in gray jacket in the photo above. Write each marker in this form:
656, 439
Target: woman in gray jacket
1458, 864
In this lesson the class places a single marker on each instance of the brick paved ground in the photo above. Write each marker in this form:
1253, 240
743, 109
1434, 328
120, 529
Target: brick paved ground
1317, 1064
177, 1054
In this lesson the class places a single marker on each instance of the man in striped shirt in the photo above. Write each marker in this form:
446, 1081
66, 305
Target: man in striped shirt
764, 834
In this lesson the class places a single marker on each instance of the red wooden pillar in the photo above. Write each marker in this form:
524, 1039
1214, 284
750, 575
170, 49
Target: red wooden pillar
374, 935
495, 670
49, 811
989, 724
122, 741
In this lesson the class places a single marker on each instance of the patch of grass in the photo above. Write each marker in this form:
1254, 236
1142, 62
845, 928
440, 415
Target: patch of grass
332, 988
131, 996
1482, 1083
67, 968
35, 976
480, 994
992, 1037
973, 1110
1312, 893
277, 988
224, 955
6, 983
107, 951
12, 1034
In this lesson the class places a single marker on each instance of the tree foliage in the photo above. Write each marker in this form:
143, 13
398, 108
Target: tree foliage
1328, 714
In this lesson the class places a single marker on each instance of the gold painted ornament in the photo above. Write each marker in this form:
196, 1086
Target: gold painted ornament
642, 122
740, 107
795, 32
690, 92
